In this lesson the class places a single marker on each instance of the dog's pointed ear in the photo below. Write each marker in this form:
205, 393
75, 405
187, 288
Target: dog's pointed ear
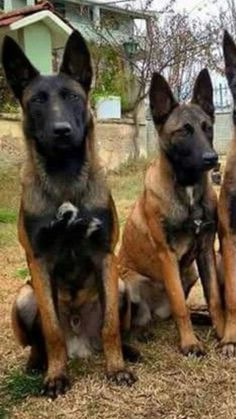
203, 93
162, 100
18, 69
77, 60
229, 49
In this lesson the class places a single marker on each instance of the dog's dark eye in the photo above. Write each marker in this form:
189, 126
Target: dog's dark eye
207, 129
185, 129
188, 128
40, 98
69, 95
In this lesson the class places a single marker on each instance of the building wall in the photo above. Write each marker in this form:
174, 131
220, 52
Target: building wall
84, 21
38, 46
13, 4
223, 132
16, 4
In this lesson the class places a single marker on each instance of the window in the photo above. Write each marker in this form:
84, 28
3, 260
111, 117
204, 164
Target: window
110, 20
85, 11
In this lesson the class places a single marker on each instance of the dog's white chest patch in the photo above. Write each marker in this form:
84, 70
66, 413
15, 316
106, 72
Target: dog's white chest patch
190, 191
78, 347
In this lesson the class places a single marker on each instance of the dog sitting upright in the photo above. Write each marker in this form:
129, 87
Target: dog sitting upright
172, 225
67, 224
227, 214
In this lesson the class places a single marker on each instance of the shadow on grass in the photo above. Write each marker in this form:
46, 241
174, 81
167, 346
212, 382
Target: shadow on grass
17, 385
15, 388
7, 216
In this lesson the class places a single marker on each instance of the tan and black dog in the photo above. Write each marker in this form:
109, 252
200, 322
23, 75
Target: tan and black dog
227, 214
67, 224
172, 225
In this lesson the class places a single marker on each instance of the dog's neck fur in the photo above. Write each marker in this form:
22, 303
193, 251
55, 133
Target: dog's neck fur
64, 186
170, 171
167, 178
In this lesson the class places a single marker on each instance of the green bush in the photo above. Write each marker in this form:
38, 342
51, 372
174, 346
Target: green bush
112, 75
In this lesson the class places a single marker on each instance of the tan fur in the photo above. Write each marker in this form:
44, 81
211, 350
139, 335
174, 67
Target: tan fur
150, 267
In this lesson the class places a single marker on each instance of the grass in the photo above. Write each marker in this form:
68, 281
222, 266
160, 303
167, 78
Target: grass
8, 235
17, 386
170, 386
9, 188
126, 184
7, 216
22, 273
9, 203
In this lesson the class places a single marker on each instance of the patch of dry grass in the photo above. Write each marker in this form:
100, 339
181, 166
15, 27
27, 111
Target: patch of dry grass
170, 386
126, 184
9, 186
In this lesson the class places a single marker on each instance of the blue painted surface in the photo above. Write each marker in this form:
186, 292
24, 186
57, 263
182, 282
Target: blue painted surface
108, 107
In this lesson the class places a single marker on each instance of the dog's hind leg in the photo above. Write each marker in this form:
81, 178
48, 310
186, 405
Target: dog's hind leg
199, 316
129, 352
140, 292
26, 326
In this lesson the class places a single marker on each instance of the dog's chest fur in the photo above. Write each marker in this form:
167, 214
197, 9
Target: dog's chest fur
187, 221
73, 264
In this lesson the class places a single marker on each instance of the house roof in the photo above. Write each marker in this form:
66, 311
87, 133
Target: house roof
8, 18
44, 11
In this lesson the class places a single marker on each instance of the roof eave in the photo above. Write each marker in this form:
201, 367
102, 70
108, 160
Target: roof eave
43, 15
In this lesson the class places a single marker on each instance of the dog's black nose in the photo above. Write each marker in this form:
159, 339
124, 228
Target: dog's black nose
62, 129
210, 159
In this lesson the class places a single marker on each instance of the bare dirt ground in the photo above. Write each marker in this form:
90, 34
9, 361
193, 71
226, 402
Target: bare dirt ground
169, 386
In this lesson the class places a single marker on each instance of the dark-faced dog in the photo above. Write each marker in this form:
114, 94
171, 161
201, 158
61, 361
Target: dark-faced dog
227, 214
172, 225
67, 223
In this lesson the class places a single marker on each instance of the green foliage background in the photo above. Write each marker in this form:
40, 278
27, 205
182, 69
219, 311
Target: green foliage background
112, 75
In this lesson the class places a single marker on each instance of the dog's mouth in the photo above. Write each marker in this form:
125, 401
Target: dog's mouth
209, 165
188, 178
63, 144
191, 172
65, 147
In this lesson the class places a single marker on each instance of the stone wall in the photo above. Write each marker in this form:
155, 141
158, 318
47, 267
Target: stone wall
114, 140
11, 139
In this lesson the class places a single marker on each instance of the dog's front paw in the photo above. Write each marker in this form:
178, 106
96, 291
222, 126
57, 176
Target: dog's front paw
86, 225
195, 348
122, 377
56, 385
228, 350
67, 212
